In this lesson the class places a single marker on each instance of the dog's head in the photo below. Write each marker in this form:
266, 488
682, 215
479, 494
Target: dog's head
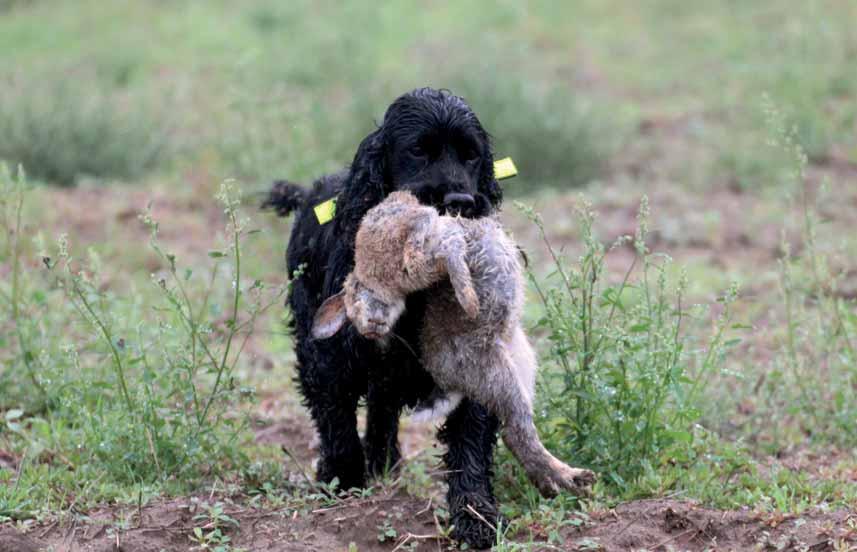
432, 145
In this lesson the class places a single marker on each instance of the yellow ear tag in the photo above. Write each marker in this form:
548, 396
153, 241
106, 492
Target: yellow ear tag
325, 211
504, 168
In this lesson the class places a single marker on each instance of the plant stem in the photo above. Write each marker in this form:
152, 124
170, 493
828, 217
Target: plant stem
232, 330
108, 337
14, 240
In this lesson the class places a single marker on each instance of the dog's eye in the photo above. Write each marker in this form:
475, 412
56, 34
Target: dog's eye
468, 153
417, 151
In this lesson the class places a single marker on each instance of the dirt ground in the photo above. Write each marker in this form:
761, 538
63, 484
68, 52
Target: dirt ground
655, 525
408, 522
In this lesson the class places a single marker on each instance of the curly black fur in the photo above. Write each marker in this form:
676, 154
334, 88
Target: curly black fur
430, 143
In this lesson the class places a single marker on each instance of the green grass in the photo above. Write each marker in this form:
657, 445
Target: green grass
63, 129
266, 90
707, 67
240, 94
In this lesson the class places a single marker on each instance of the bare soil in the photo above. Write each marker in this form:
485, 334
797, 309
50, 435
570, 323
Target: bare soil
656, 525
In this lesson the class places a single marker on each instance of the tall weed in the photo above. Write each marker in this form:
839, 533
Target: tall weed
125, 390
626, 373
813, 379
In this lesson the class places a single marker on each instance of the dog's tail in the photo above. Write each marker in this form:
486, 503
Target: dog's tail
284, 197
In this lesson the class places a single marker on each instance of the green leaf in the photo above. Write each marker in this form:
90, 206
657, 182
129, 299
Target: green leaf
680, 436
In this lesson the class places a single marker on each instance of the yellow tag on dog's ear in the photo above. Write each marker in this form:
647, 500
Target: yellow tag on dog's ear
325, 211
504, 168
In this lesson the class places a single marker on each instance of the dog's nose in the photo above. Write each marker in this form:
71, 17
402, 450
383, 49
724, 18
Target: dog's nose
458, 202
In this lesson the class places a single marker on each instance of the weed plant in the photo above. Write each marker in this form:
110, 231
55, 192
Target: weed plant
105, 392
624, 377
812, 385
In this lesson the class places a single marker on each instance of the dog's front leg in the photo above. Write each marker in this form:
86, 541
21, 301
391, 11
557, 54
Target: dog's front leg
341, 454
383, 405
331, 390
470, 434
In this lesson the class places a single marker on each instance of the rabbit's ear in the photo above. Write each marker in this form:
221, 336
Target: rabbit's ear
329, 317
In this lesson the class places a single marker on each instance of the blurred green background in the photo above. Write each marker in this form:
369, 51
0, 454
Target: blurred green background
120, 90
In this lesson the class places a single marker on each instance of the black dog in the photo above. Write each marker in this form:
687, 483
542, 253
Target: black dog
432, 144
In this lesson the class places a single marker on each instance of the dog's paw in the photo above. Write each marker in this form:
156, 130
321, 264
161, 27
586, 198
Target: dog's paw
380, 464
479, 534
347, 476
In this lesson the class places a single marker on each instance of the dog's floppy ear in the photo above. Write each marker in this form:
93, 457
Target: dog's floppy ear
329, 317
488, 185
370, 159
370, 165
365, 186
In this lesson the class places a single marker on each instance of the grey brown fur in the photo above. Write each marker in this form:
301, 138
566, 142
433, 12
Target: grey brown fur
472, 338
